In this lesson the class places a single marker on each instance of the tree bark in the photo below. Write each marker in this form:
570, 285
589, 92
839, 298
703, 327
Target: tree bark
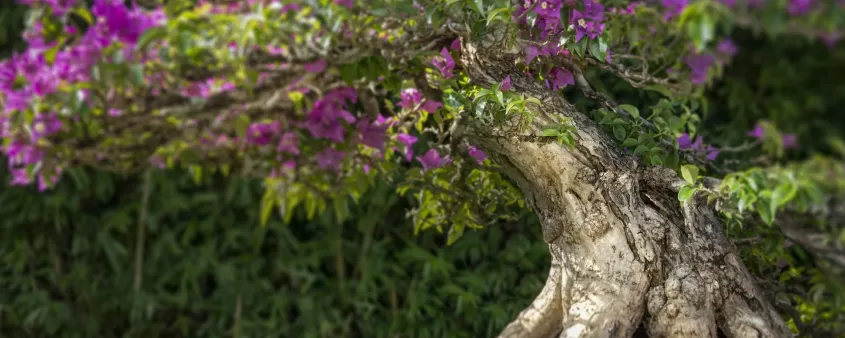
624, 251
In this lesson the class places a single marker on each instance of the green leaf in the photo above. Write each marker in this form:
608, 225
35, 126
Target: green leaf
784, 193
815, 193
633, 111
482, 94
83, 13
704, 29
640, 149
533, 100
686, 192
455, 232
493, 15
500, 98
595, 50
310, 206
349, 72
766, 213
136, 74
619, 121
550, 131
656, 160
267, 203
241, 125
175, 7
197, 174
619, 132
50, 54
838, 145
478, 6
660, 89
743, 202
566, 139
341, 209
580, 47
630, 142
150, 35
689, 173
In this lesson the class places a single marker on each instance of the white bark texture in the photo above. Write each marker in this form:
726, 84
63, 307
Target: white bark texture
625, 253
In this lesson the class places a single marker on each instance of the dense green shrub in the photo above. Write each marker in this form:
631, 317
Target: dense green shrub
68, 266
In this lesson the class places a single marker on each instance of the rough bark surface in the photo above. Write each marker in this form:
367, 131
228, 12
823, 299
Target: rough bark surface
624, 251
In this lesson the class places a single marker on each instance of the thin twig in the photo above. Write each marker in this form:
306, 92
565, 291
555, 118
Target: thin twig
237, 316
141, 233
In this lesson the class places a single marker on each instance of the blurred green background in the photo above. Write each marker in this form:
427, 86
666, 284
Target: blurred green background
209, 268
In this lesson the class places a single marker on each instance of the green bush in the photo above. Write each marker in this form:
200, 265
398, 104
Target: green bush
68, 266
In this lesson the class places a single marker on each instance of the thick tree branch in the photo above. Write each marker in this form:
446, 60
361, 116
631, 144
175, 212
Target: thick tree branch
635, 79
798, 228
794, 225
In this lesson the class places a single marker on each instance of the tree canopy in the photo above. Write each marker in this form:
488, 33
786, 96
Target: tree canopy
322, 99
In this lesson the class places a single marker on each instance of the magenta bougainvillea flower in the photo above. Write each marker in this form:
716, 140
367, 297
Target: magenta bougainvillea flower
505, 85
699, 65
799, 7
456, 45
262, 133
372, 134
673, 8
289, 143
44, 125
431, 106
316, 66
788, 140
476, 153
330, 159
757, 132
727, 47
411, 97
559, 78
685, 143
445, 63
409, 141
432, 160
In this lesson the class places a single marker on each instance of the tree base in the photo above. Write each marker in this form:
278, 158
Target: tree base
669, 271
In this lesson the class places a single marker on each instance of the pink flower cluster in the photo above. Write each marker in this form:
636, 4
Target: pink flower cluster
411, 98
29, 77
698, 146
789, 140
587, 22
700, 63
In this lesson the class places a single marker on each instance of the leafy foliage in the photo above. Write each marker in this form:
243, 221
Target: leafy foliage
209, 267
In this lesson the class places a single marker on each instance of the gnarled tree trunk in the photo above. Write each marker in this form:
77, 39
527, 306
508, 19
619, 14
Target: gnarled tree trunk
624, 251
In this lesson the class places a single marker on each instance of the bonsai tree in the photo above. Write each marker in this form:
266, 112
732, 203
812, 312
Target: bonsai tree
599, 117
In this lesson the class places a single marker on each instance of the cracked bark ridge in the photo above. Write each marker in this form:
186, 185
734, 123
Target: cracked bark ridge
624, 250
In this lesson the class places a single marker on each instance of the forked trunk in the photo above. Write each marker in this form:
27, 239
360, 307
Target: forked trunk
624, 250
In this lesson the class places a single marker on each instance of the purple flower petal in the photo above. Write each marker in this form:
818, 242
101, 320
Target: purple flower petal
505, 85
478, 154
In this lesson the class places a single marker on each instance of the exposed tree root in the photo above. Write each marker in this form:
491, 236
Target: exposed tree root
687, 283
542, 318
